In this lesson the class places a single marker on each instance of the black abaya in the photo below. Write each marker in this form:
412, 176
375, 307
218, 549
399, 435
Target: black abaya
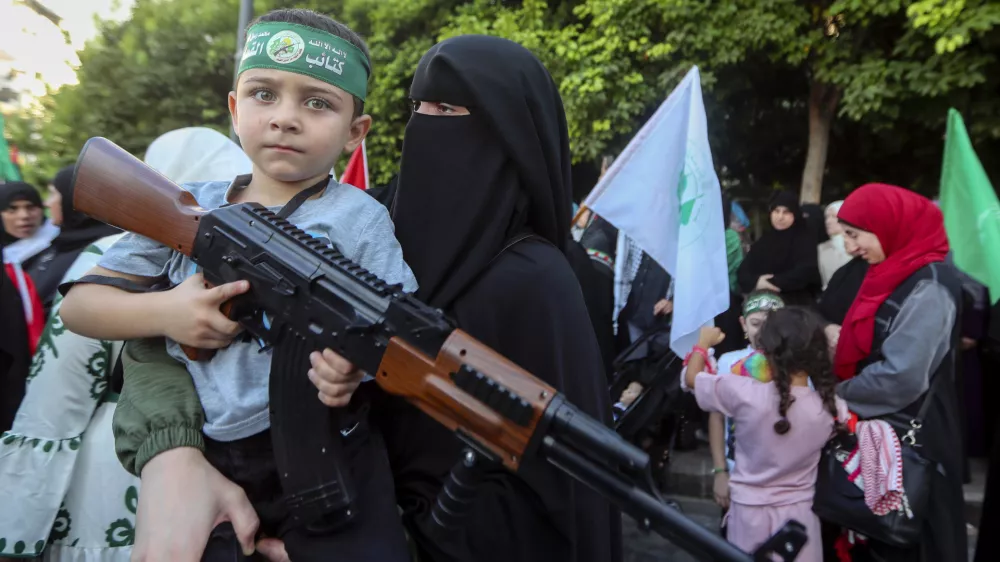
789, 255
841, 291
15, 354
540, 514
599, 297
470, 188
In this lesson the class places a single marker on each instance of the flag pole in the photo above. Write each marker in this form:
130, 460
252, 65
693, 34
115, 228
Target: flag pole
246, 12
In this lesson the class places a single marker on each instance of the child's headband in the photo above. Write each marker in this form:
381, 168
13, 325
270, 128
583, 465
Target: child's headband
309, 51
764, 302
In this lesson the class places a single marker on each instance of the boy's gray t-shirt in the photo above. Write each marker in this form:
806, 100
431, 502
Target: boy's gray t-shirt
233, 386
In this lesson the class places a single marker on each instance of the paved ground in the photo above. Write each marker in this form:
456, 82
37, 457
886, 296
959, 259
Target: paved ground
691, 478
650, 547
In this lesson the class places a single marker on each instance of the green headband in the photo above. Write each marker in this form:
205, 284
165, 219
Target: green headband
307, 50
762, 303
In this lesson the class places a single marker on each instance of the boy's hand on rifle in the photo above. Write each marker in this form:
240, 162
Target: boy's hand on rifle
335, 378
192, 315
710, 337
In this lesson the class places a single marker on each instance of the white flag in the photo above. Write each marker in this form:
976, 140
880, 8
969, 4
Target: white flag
663, 193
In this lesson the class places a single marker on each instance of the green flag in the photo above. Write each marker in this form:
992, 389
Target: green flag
8, 171
970, 207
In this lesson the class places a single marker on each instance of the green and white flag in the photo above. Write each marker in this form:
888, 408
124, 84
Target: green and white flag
8, 171
662, 192
970, 207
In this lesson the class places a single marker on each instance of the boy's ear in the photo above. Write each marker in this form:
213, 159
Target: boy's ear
232, 112
743, 323
359, 129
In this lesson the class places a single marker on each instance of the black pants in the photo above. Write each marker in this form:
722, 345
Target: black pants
376, 534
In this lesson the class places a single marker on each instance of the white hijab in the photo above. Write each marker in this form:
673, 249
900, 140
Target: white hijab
195, 154
838, 239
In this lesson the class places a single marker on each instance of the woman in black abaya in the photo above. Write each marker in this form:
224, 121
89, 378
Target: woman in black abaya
784, 260
482, 211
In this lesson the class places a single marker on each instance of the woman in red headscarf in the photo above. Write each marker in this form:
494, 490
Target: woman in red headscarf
898, 344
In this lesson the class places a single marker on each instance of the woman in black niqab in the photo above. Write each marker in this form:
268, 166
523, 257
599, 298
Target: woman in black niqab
788, 255
482, 212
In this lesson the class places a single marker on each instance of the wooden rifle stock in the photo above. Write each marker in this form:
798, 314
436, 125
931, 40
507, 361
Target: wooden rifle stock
117, 188
429, 384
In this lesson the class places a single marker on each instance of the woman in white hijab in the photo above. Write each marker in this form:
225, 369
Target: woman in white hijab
832, 255
65, 495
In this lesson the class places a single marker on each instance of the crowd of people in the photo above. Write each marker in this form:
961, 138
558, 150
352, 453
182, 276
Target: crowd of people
118, 446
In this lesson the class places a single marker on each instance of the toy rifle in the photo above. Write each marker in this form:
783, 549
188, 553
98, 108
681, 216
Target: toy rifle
315, 298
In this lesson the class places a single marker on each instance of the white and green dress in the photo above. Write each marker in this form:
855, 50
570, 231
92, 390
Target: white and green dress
63, 492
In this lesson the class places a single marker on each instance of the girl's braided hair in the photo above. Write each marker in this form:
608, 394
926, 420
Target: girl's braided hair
793, 341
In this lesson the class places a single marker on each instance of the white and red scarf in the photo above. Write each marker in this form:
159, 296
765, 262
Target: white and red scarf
876, 466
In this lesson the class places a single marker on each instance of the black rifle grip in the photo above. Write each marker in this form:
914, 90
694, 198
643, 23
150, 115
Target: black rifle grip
308, 447
458, 495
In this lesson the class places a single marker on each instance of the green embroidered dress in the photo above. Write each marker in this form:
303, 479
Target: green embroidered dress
65, 495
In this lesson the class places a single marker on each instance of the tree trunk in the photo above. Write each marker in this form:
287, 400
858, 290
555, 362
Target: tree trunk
823, 99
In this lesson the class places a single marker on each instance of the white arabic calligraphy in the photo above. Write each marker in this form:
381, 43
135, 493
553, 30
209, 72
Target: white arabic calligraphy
338, 66
253, 49
324, 61
316, 61
257, 35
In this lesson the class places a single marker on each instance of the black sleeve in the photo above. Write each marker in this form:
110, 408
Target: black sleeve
804, 272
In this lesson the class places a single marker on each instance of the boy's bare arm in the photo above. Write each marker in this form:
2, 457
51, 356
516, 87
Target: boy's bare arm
109, 313
188, 313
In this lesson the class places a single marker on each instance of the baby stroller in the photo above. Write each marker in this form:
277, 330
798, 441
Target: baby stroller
651, 422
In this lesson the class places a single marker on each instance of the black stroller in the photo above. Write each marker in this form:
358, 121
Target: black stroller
652, 422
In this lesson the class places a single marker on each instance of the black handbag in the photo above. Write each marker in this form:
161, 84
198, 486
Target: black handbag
841, 502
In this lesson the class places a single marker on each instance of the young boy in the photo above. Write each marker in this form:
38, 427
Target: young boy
755, 310
298, 105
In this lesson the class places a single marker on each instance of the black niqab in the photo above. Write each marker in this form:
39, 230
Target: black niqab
502, 171
469, 187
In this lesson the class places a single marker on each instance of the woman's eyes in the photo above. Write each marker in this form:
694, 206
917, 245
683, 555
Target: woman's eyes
432, 108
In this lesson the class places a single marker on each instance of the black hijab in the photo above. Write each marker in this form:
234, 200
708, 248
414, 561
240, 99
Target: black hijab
815, 218
498, 173
790, 255
77, 230
11, 193
467, 188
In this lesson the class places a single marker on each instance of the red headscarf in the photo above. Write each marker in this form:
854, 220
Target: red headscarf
911, 230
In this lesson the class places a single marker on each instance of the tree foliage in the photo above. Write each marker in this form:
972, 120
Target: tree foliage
894, 65
167, 67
